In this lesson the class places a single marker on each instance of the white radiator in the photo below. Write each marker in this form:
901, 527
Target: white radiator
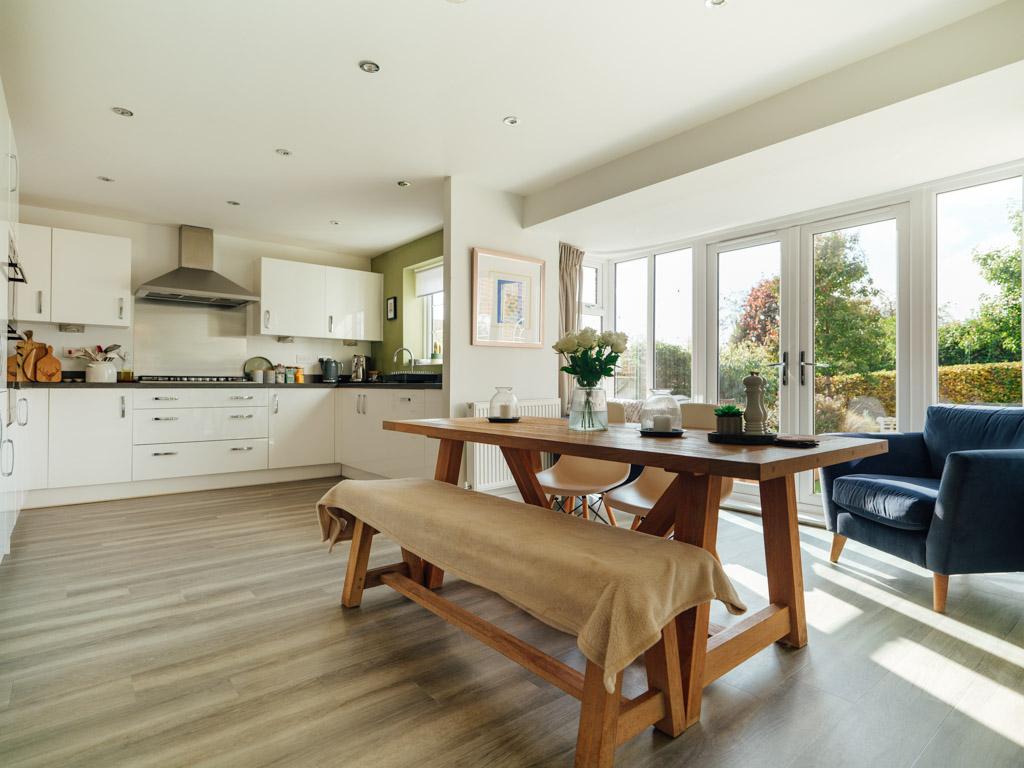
487, 468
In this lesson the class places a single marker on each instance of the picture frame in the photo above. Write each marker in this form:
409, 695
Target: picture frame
508, 300
392, 308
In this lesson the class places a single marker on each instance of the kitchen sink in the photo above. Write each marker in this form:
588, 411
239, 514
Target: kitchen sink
412, 378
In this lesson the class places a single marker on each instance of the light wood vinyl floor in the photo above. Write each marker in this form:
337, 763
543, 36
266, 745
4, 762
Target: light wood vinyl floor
204, 629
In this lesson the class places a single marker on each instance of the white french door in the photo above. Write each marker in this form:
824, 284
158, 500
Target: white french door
814, 309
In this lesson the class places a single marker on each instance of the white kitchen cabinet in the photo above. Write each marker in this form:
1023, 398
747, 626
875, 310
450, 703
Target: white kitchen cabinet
31, 438
354, 304
90, 278
301, 426
292, 299
188, 425
90, 436
363, 443
169, 460
32, 299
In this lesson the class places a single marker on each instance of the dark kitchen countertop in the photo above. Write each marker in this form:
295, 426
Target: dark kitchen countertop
81, 384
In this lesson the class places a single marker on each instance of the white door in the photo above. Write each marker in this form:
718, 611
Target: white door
32, 416
32, 299
91, 278
292, 299
301, 427
90, 437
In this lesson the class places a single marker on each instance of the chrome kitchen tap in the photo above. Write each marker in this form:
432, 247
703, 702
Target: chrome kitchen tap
398, 355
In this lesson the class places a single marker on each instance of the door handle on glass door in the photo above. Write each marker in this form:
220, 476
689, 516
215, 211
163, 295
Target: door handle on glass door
783, 365
805, 364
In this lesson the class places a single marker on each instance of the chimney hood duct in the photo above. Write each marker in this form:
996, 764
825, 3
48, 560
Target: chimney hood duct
194, 281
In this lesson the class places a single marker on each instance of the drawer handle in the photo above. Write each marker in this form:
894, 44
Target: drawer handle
241, 416
242, 397
405, 399
247, 448
166, 453
165, 398
165, 418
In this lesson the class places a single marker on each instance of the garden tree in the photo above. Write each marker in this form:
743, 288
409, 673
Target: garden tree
993, 333
758, 322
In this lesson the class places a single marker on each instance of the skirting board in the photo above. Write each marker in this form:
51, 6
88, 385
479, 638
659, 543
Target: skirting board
51, 497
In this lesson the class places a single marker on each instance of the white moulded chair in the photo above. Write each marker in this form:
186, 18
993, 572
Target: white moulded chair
639, 497
573, 477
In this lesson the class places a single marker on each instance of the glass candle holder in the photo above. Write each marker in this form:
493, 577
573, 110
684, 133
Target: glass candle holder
504, 404
660, 412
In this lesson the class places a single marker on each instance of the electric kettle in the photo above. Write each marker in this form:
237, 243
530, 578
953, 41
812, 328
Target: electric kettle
329, 368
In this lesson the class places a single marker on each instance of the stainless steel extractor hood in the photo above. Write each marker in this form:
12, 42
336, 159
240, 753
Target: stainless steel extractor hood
194, 281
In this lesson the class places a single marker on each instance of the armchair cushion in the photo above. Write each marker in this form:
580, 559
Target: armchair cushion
970, 428
900, 502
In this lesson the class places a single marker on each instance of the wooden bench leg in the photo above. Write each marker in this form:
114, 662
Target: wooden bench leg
358, 559
599, 720
664, 674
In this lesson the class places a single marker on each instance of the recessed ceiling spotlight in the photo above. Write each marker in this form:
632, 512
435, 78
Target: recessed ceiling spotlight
511, 120
369, 67
334, 222
714, 3
104, 178
404, 183
283, 152
122, 111
232, 202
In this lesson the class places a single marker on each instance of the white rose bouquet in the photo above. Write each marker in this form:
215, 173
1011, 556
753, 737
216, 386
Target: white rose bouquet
589, 355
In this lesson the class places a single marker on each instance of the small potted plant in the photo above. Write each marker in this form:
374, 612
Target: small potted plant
729, 420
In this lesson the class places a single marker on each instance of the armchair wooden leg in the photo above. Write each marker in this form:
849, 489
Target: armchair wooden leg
838, 542
940, 588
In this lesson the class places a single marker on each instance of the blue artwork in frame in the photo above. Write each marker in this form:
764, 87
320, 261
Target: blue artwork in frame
511, 309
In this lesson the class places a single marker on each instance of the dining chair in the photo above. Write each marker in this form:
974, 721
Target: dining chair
639, 496
573, 477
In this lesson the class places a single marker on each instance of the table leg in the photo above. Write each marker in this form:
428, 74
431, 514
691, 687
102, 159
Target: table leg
782, 554
447, 469
523, 465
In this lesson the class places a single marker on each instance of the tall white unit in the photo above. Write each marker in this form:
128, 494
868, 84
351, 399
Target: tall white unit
10, 177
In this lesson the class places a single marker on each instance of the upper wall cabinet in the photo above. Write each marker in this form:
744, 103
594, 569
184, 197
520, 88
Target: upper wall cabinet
32, 299
317, 301
90, 278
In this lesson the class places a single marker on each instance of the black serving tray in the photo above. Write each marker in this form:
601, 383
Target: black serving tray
742, 439
499, 420
670, 433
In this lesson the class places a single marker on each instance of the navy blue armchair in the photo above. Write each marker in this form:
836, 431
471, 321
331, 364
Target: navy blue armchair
950, 499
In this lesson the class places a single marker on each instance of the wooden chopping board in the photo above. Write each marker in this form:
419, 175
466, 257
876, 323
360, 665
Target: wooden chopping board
47, 367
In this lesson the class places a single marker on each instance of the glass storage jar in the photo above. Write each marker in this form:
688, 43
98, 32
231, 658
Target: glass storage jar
660, 412
504, 405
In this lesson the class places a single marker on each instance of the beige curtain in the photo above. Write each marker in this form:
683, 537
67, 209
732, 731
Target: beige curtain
570, 286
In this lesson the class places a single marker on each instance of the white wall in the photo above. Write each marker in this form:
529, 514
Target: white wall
178, 339
480, 217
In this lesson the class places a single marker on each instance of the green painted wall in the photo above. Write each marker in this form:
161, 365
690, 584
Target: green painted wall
394, 265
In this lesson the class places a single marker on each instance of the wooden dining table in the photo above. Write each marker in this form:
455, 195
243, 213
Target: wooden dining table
688, 508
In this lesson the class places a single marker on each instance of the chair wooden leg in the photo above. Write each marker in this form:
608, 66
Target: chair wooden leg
586, 506
569, 506
599, 720
636, 522
610, 512
664, 674
838, 542
358, 559
940, 588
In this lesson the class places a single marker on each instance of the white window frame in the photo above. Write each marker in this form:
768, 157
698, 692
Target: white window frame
428, 325
603, 293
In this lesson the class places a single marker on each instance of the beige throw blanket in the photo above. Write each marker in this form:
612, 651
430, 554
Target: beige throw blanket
613, 588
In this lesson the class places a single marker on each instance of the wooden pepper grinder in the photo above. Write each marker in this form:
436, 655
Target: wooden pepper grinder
755, 415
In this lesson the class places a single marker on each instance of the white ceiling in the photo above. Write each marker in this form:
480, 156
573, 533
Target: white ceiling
216, 85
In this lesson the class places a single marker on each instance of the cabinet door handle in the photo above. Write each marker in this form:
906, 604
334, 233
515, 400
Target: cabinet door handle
120, 309
39, 302
165, 418
241, 416
242, 397
4, 444
246, 448
165, 453
277, 404
330, 323
162, 397
405, 399
22, 421
17, 174
266, 318
124, 406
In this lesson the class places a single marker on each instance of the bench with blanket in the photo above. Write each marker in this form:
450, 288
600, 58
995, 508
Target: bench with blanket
640, 594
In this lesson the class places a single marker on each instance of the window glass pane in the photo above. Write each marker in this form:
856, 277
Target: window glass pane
979, 293
673, 322
855, 328
748, 322
590, 275
592, 321
436, 329
631, 318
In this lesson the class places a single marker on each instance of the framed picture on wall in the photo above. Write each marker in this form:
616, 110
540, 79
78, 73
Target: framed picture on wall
508, 300
392, 308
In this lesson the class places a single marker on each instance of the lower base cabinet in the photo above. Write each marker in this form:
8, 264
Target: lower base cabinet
301, 427
90, 437
157, 461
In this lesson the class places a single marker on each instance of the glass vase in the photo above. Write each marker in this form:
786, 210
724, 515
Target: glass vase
660, 412
588, 411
